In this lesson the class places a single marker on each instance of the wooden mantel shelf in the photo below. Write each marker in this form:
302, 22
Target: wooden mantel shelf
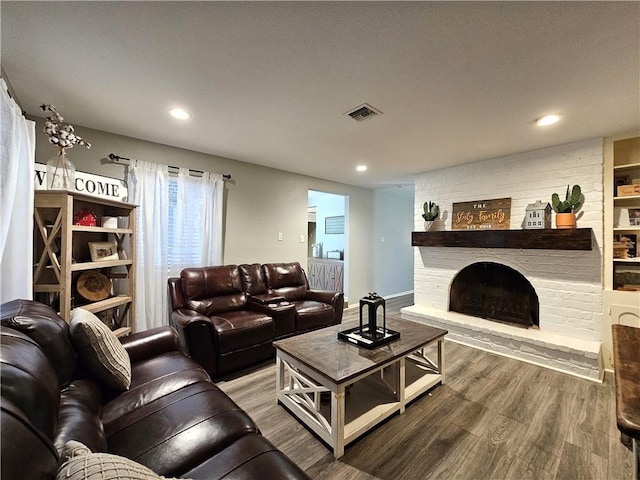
549, 239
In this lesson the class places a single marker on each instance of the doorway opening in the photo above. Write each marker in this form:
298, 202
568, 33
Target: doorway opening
328, 233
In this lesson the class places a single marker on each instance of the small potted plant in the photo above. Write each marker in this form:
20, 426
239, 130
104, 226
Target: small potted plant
431, 212
565, 209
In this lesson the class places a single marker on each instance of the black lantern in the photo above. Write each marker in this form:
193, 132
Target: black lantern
370, 335
372, 302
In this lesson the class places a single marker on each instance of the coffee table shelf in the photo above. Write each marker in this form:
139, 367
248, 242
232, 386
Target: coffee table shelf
362, 411
364, 388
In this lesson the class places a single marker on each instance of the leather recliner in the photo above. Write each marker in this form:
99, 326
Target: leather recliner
220, 328
228, 316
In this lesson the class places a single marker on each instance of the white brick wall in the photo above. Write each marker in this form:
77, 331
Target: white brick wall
568, 283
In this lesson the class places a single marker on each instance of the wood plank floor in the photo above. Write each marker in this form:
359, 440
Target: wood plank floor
495, 418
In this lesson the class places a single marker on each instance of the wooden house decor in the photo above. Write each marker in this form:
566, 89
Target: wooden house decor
538, 215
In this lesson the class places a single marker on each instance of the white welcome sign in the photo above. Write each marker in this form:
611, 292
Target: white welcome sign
89, 184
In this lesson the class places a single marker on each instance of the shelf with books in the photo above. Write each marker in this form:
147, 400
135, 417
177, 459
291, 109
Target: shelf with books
622, 220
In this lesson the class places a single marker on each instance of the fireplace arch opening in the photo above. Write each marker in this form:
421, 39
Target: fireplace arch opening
494, 291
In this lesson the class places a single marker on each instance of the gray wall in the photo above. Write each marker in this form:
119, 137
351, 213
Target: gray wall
259, 203
393, 253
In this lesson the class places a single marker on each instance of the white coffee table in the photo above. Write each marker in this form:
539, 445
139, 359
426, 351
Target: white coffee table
365, 386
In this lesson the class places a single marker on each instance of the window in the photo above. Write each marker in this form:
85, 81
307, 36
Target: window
186, 225
334, 225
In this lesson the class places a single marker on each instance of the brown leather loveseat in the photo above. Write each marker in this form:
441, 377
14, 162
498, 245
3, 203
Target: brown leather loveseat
229, 315
172, 418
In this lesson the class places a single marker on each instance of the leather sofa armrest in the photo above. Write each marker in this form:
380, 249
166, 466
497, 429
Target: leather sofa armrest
198, 337
183, 317
324, 296
151, 343
335, 299
266, 298
186, 322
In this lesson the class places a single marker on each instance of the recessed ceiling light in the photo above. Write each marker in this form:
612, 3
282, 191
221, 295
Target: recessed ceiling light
547, 120
180, 114
361, 168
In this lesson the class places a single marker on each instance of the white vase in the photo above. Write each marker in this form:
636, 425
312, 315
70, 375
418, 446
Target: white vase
428, 225
61, 172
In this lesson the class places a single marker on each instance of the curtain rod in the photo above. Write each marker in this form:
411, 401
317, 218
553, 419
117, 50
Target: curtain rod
126, 161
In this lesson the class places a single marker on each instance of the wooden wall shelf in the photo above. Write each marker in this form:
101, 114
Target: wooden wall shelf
549, 239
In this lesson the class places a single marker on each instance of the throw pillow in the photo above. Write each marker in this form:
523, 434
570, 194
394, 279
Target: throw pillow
100, 350
80, 464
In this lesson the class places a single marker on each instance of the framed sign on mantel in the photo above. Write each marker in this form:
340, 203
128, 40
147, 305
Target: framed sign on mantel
482, 215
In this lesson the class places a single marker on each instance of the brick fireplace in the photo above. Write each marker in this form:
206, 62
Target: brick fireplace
567, 284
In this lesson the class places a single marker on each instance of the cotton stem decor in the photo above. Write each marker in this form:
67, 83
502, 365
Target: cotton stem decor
60, 170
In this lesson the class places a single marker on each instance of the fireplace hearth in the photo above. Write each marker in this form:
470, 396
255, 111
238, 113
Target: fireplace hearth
494, 291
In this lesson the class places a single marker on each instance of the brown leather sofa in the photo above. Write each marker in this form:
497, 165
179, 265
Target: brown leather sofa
172, 419
228, 316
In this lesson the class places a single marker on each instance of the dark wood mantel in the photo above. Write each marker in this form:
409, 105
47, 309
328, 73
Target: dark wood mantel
549, 239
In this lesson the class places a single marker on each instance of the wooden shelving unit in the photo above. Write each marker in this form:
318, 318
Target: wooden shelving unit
61, 253
620, 306
622, 161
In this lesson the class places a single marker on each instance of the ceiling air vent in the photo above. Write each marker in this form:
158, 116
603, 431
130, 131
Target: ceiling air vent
363, 112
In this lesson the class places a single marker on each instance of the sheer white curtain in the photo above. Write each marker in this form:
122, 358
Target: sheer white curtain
17, 158
213, 185
179, 225
149, 183
197, 235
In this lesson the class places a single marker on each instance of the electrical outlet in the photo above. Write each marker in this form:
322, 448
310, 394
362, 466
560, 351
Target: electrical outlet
279, 236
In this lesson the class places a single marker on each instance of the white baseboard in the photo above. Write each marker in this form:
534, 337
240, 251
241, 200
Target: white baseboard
396, 295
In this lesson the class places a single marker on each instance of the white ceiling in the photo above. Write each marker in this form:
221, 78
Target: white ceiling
270, 83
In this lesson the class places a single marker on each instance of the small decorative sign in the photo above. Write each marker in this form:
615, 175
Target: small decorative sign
88, 183
482, 215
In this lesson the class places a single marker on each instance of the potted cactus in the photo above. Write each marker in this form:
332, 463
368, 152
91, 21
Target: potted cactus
431, 212
565, 209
